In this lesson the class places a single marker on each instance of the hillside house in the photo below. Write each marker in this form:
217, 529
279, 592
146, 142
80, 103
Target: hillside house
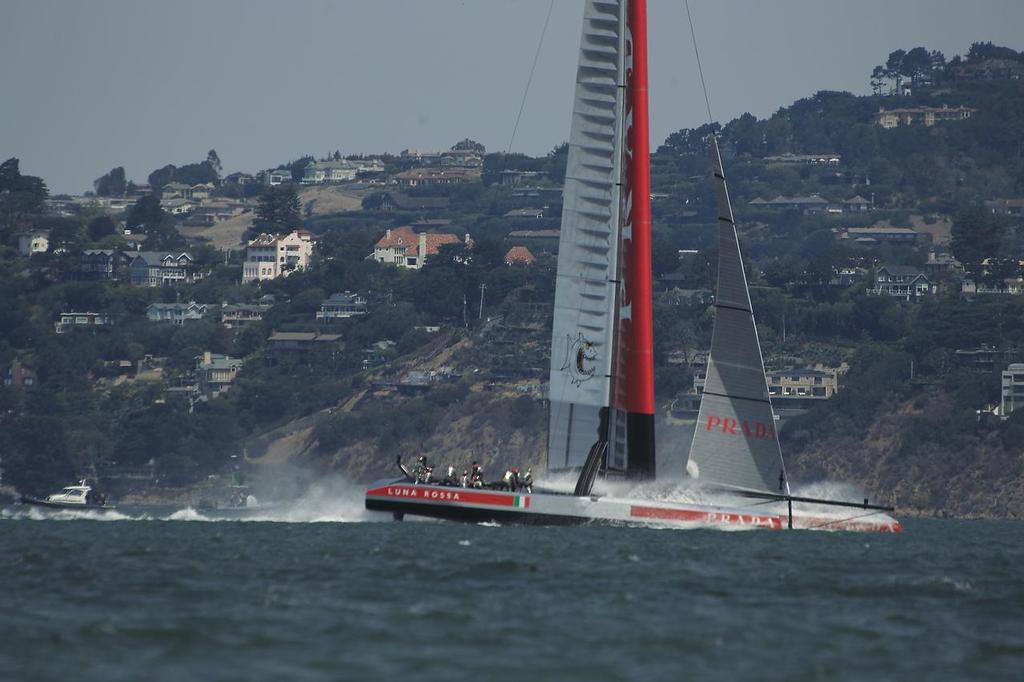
175, 190
33, 241
941, 263
235, 315
20, 374
271, 256
927, 116
434, 177
99, 264
404, 248
239, 179
341, 306
847, 277
1012, 397
532, 213
72, 320
869, 236
202, 191
519, 255
177, 206
901, 281
1010, 286
160, 268
805, 383
176, 313
328, 172
215, 372
276, 177
1011, 207
857, 204
302, 346
985, 359
811, 204
539, 240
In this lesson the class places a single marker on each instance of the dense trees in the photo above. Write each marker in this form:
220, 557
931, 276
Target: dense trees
20, 195
279, 210
977, 234
113, 184
189, 174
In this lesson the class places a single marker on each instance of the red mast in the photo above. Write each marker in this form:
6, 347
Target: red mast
635, 375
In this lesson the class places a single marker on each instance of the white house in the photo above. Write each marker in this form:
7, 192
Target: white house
404, 247
901, 281
176, 313
271, 256
1013, 390
34, 241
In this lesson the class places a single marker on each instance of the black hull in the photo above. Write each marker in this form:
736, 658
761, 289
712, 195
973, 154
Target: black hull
474, 515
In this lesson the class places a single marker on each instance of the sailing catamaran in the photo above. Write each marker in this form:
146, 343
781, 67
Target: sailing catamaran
601, 384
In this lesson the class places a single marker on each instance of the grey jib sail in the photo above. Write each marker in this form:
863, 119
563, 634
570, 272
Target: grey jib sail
582, 334
735, 443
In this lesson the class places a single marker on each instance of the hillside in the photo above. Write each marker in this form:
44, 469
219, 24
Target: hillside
450, 359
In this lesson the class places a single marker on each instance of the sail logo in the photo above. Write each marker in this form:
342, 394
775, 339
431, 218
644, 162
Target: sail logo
735, 427
580, 359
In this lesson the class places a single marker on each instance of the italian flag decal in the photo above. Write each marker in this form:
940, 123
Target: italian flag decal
521, 502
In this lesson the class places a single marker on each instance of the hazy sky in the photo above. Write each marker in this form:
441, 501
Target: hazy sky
86, 86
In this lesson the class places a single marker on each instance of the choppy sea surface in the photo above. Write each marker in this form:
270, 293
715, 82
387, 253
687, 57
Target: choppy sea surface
178, 595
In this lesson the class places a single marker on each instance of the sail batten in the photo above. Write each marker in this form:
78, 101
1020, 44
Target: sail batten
735, 443
582, 336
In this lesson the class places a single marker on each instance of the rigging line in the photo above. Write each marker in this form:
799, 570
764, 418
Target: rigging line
529, 80
700, 69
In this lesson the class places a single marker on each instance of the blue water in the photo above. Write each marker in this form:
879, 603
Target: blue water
159, 599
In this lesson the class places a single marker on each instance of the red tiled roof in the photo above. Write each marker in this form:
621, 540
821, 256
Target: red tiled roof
519, 255
435, 241
399, 237
405, 238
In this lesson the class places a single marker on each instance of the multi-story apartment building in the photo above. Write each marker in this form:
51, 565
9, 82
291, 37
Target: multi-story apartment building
271, 256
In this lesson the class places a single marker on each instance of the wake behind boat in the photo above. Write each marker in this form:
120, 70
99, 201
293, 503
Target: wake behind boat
79, 497
601, 381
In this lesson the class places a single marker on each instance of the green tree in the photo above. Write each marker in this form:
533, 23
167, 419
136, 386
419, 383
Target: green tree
878, 76
214, 161
160, 177
100, 227
196, 173
557, 160
145, 213
917, 64
976, 235
894, 69
113, 184
278, 210
20, 195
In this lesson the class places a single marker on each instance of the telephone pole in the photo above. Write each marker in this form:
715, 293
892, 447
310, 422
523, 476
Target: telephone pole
482, 287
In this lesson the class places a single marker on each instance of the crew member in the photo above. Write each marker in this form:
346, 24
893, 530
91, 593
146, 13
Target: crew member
476, 476
422, 470
465, 478
510, 479
528, 480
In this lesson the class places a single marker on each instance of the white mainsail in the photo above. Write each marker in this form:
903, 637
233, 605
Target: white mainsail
735, 443
582, 337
